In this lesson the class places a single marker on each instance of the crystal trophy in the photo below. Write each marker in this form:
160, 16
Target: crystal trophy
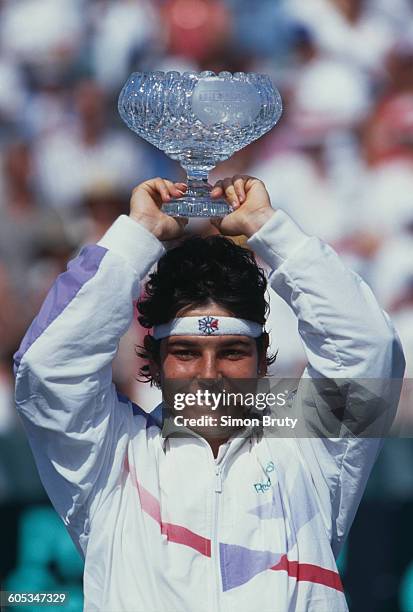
199, 119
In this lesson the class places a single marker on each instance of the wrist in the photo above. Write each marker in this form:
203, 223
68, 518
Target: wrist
149, 223
257, 220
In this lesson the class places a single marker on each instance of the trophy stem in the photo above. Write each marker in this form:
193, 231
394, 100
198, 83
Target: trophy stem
197, 201
197, 180
198, 186
197, 174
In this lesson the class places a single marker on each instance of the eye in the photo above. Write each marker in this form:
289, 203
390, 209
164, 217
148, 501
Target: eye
234, 354
184, 354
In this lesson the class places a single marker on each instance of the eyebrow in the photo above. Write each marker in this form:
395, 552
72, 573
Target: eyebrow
237, 341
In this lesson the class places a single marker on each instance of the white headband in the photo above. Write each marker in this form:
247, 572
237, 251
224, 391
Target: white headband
208, 325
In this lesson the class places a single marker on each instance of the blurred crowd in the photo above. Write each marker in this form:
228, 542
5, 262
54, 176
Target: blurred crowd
340, 161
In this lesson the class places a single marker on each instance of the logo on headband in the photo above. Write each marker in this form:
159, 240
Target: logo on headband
208, 325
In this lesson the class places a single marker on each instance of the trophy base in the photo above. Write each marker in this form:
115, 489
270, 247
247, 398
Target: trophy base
188, 206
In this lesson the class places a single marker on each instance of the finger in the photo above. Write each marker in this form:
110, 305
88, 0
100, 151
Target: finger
162, 188
239, 181
181, 187
217, 190
173, 189
230, 193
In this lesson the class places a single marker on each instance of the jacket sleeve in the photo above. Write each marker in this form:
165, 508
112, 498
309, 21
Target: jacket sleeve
351, 346
64, 393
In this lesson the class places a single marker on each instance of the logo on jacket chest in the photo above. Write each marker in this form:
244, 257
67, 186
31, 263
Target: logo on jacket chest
262, 487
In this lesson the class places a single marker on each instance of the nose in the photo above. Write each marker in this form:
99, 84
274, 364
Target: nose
208, 368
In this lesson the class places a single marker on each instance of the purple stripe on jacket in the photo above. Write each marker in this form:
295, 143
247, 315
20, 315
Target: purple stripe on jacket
65, 288
239, 564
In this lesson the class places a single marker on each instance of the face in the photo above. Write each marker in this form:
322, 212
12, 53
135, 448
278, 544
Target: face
192, 363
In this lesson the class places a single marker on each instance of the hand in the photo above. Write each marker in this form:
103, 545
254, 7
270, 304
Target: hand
146, 208
251, 203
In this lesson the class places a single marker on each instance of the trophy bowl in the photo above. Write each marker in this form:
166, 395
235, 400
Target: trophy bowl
199, 119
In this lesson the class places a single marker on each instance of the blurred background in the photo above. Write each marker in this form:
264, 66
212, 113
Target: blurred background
340, 162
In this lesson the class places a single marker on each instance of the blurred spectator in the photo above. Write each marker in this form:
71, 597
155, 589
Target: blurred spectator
347, 30
389, 132
387, 147
124, 33
89, 156
328, 95
43, 35
196, 29
103, 207
269, 35
29, 233
398, 13
314, 181
399, 66
386, 197
315, 175
47, 111
12, 91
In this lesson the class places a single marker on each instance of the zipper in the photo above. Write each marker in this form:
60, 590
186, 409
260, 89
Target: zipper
218, 479
215, 550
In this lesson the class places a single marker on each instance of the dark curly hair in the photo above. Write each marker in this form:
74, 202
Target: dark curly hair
199, 271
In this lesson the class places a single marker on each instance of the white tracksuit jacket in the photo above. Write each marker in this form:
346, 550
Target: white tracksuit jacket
162, 525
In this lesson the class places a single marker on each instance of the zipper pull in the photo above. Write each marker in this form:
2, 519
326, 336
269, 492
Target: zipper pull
218, 481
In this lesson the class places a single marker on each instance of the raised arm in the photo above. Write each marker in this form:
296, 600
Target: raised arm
349, 341
344, 331
64, 392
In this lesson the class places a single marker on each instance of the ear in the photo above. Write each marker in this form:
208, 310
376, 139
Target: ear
262, 358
